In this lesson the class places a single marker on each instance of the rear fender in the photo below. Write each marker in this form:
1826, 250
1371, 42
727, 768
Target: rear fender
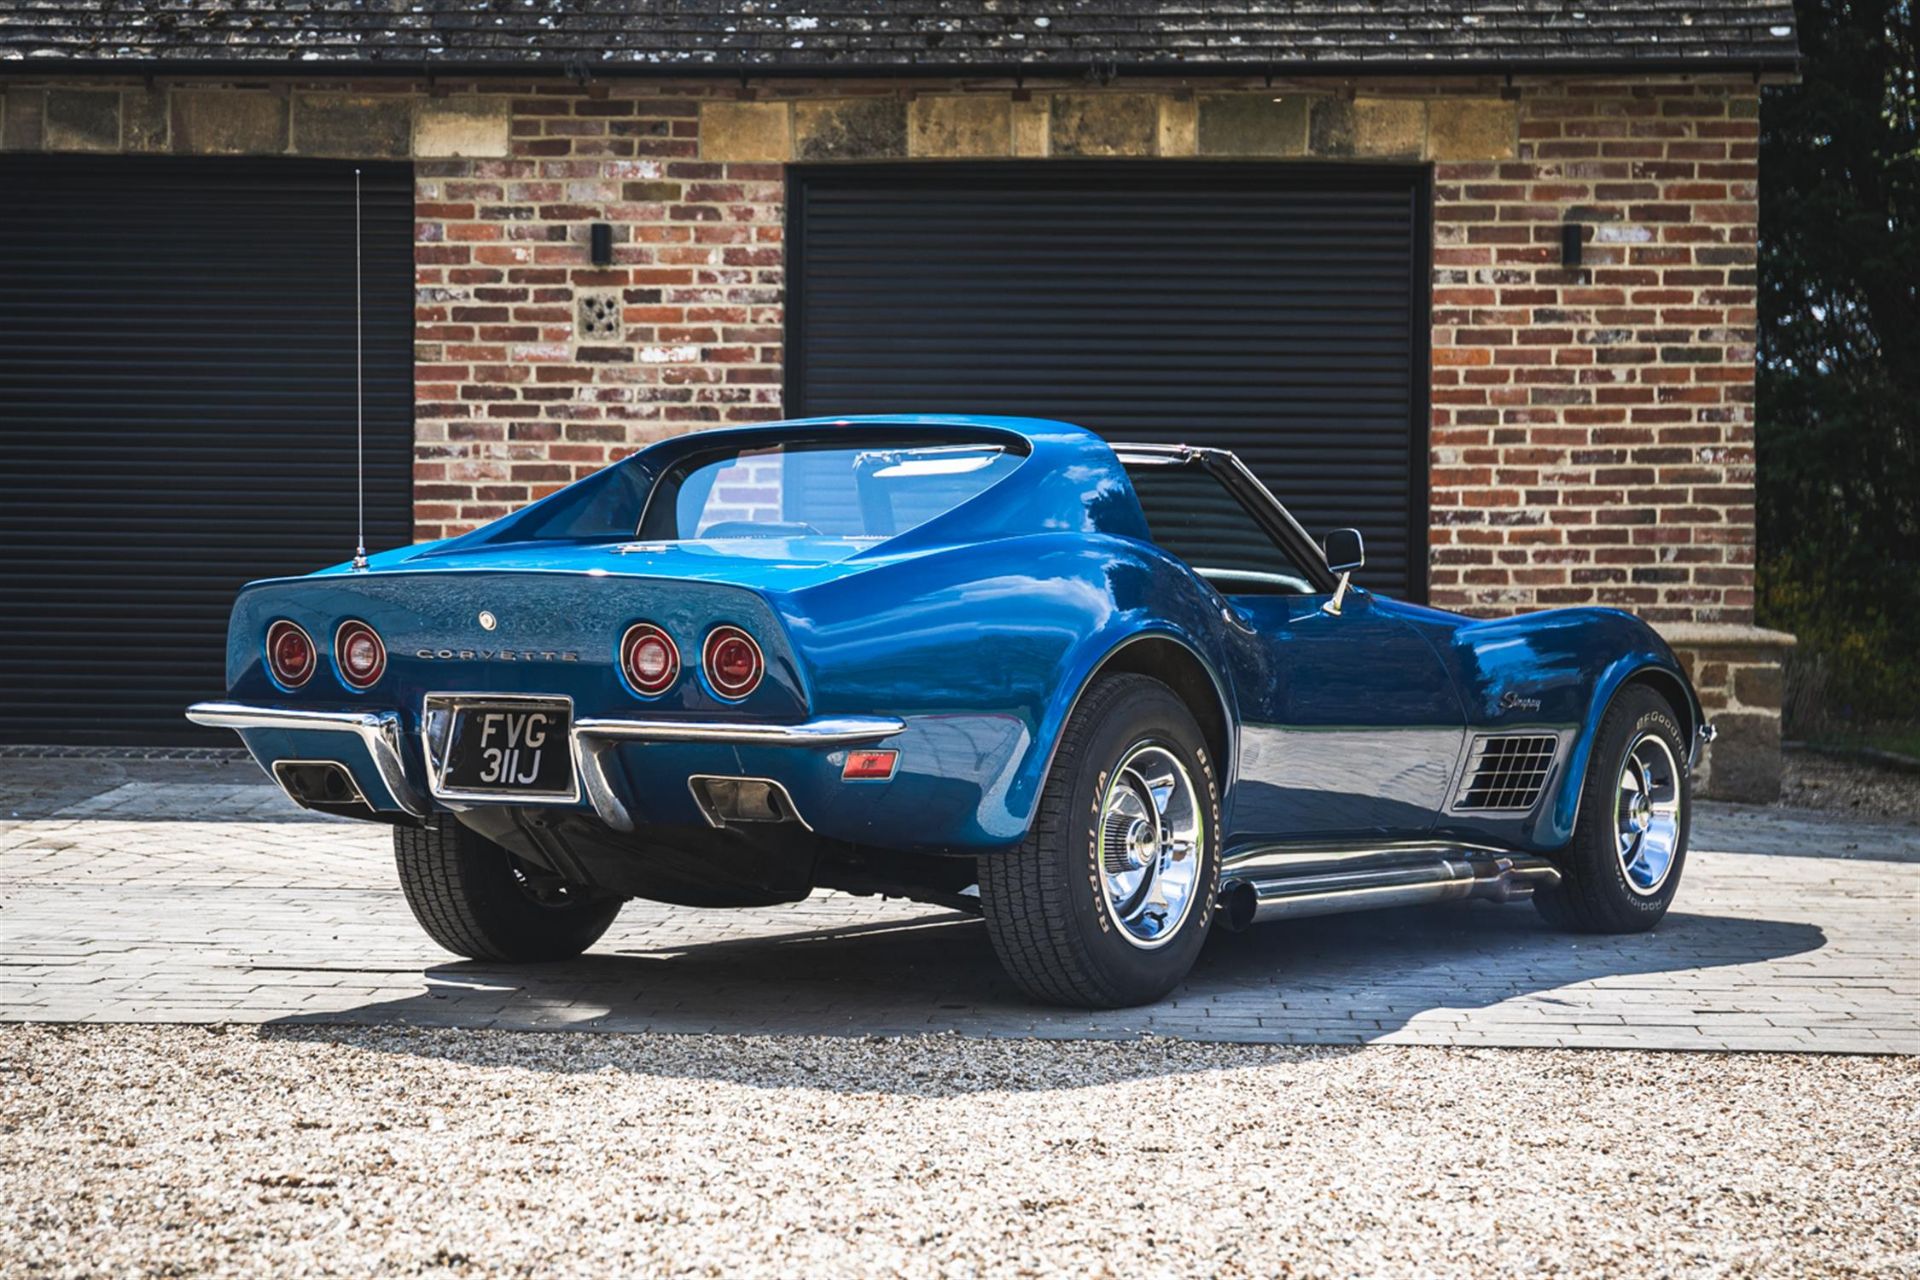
984, 650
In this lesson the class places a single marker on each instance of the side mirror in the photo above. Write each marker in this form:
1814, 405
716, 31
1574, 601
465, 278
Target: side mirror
1345, 550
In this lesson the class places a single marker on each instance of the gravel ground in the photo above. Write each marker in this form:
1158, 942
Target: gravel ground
1809, 780
180, 1151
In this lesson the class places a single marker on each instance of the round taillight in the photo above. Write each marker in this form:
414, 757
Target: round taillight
649, 659
359, 654
289, 654
733, 662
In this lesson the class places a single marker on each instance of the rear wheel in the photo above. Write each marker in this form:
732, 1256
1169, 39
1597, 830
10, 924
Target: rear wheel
1629, 846
478, 900
1108, 900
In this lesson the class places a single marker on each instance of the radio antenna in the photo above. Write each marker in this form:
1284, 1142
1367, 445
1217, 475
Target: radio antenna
359, 398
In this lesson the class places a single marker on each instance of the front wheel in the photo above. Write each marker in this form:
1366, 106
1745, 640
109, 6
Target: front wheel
1629, 845
477, 900
1108, 900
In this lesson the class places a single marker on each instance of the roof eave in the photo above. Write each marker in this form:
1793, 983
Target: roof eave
1757, 65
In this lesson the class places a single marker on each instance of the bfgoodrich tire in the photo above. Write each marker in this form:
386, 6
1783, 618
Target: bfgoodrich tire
1629, 845
477, 900
1107, 902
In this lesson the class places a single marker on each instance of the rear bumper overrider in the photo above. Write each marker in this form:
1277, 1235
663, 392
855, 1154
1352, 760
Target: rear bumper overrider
379, 732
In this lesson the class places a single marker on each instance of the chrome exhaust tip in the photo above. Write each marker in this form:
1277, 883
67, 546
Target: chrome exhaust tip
729, 801
316, 782
1239, 903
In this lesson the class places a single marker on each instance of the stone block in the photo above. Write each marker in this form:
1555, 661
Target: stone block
1105, 124
1253, 124
1743, 764
652, 191
954, 125
1373, 127
849, 129
353, 125
229, 122
1032, 119
472, 126
744, 131
21, 124
144, 120
1179, 125
1739, 667
1759, 687
82, 120
1472, 129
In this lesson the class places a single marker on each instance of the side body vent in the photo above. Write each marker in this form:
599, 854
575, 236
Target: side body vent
1506, 772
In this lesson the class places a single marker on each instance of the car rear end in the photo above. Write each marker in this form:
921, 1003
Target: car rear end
624, 650
395, 694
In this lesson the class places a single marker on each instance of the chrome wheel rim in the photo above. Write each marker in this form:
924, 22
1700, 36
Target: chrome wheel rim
1148, 845
1646, 814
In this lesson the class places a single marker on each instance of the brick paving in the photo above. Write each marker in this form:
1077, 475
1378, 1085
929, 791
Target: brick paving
193, 892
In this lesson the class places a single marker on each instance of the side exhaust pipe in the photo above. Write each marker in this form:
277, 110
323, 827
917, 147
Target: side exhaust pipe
1497, 878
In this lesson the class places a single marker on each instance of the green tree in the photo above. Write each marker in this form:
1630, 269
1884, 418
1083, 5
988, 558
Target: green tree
1839, 379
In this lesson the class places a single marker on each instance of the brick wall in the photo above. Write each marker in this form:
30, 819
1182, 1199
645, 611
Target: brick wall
1592, 433
1593, 427
515, 395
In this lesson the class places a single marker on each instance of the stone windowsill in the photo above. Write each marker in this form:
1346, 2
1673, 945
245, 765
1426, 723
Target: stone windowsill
1722, 635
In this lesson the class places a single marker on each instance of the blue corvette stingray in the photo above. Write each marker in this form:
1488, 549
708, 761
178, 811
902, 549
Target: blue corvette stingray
1103, 695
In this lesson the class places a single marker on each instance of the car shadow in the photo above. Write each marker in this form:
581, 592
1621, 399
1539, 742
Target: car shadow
1339, 979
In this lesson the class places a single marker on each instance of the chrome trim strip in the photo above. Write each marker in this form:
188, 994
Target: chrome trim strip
378, 730
829, 731
1248, 489
435, 756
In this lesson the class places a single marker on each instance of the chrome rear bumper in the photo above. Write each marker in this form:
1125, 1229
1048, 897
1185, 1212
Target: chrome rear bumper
592, 739
378, 730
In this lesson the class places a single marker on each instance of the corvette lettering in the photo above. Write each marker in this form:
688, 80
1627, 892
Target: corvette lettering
497, 655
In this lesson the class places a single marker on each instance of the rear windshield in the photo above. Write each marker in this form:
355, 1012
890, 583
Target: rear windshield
821, 489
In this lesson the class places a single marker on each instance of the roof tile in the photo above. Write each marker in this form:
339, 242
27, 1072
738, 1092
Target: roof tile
768, 35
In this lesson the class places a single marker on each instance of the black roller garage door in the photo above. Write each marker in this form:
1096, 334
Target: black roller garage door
177, 417
1277, 310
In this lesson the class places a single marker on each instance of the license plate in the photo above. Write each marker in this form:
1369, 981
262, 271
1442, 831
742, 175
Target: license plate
509, 749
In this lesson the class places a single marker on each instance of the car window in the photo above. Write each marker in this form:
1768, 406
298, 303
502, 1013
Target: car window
1190, 514
807, 489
